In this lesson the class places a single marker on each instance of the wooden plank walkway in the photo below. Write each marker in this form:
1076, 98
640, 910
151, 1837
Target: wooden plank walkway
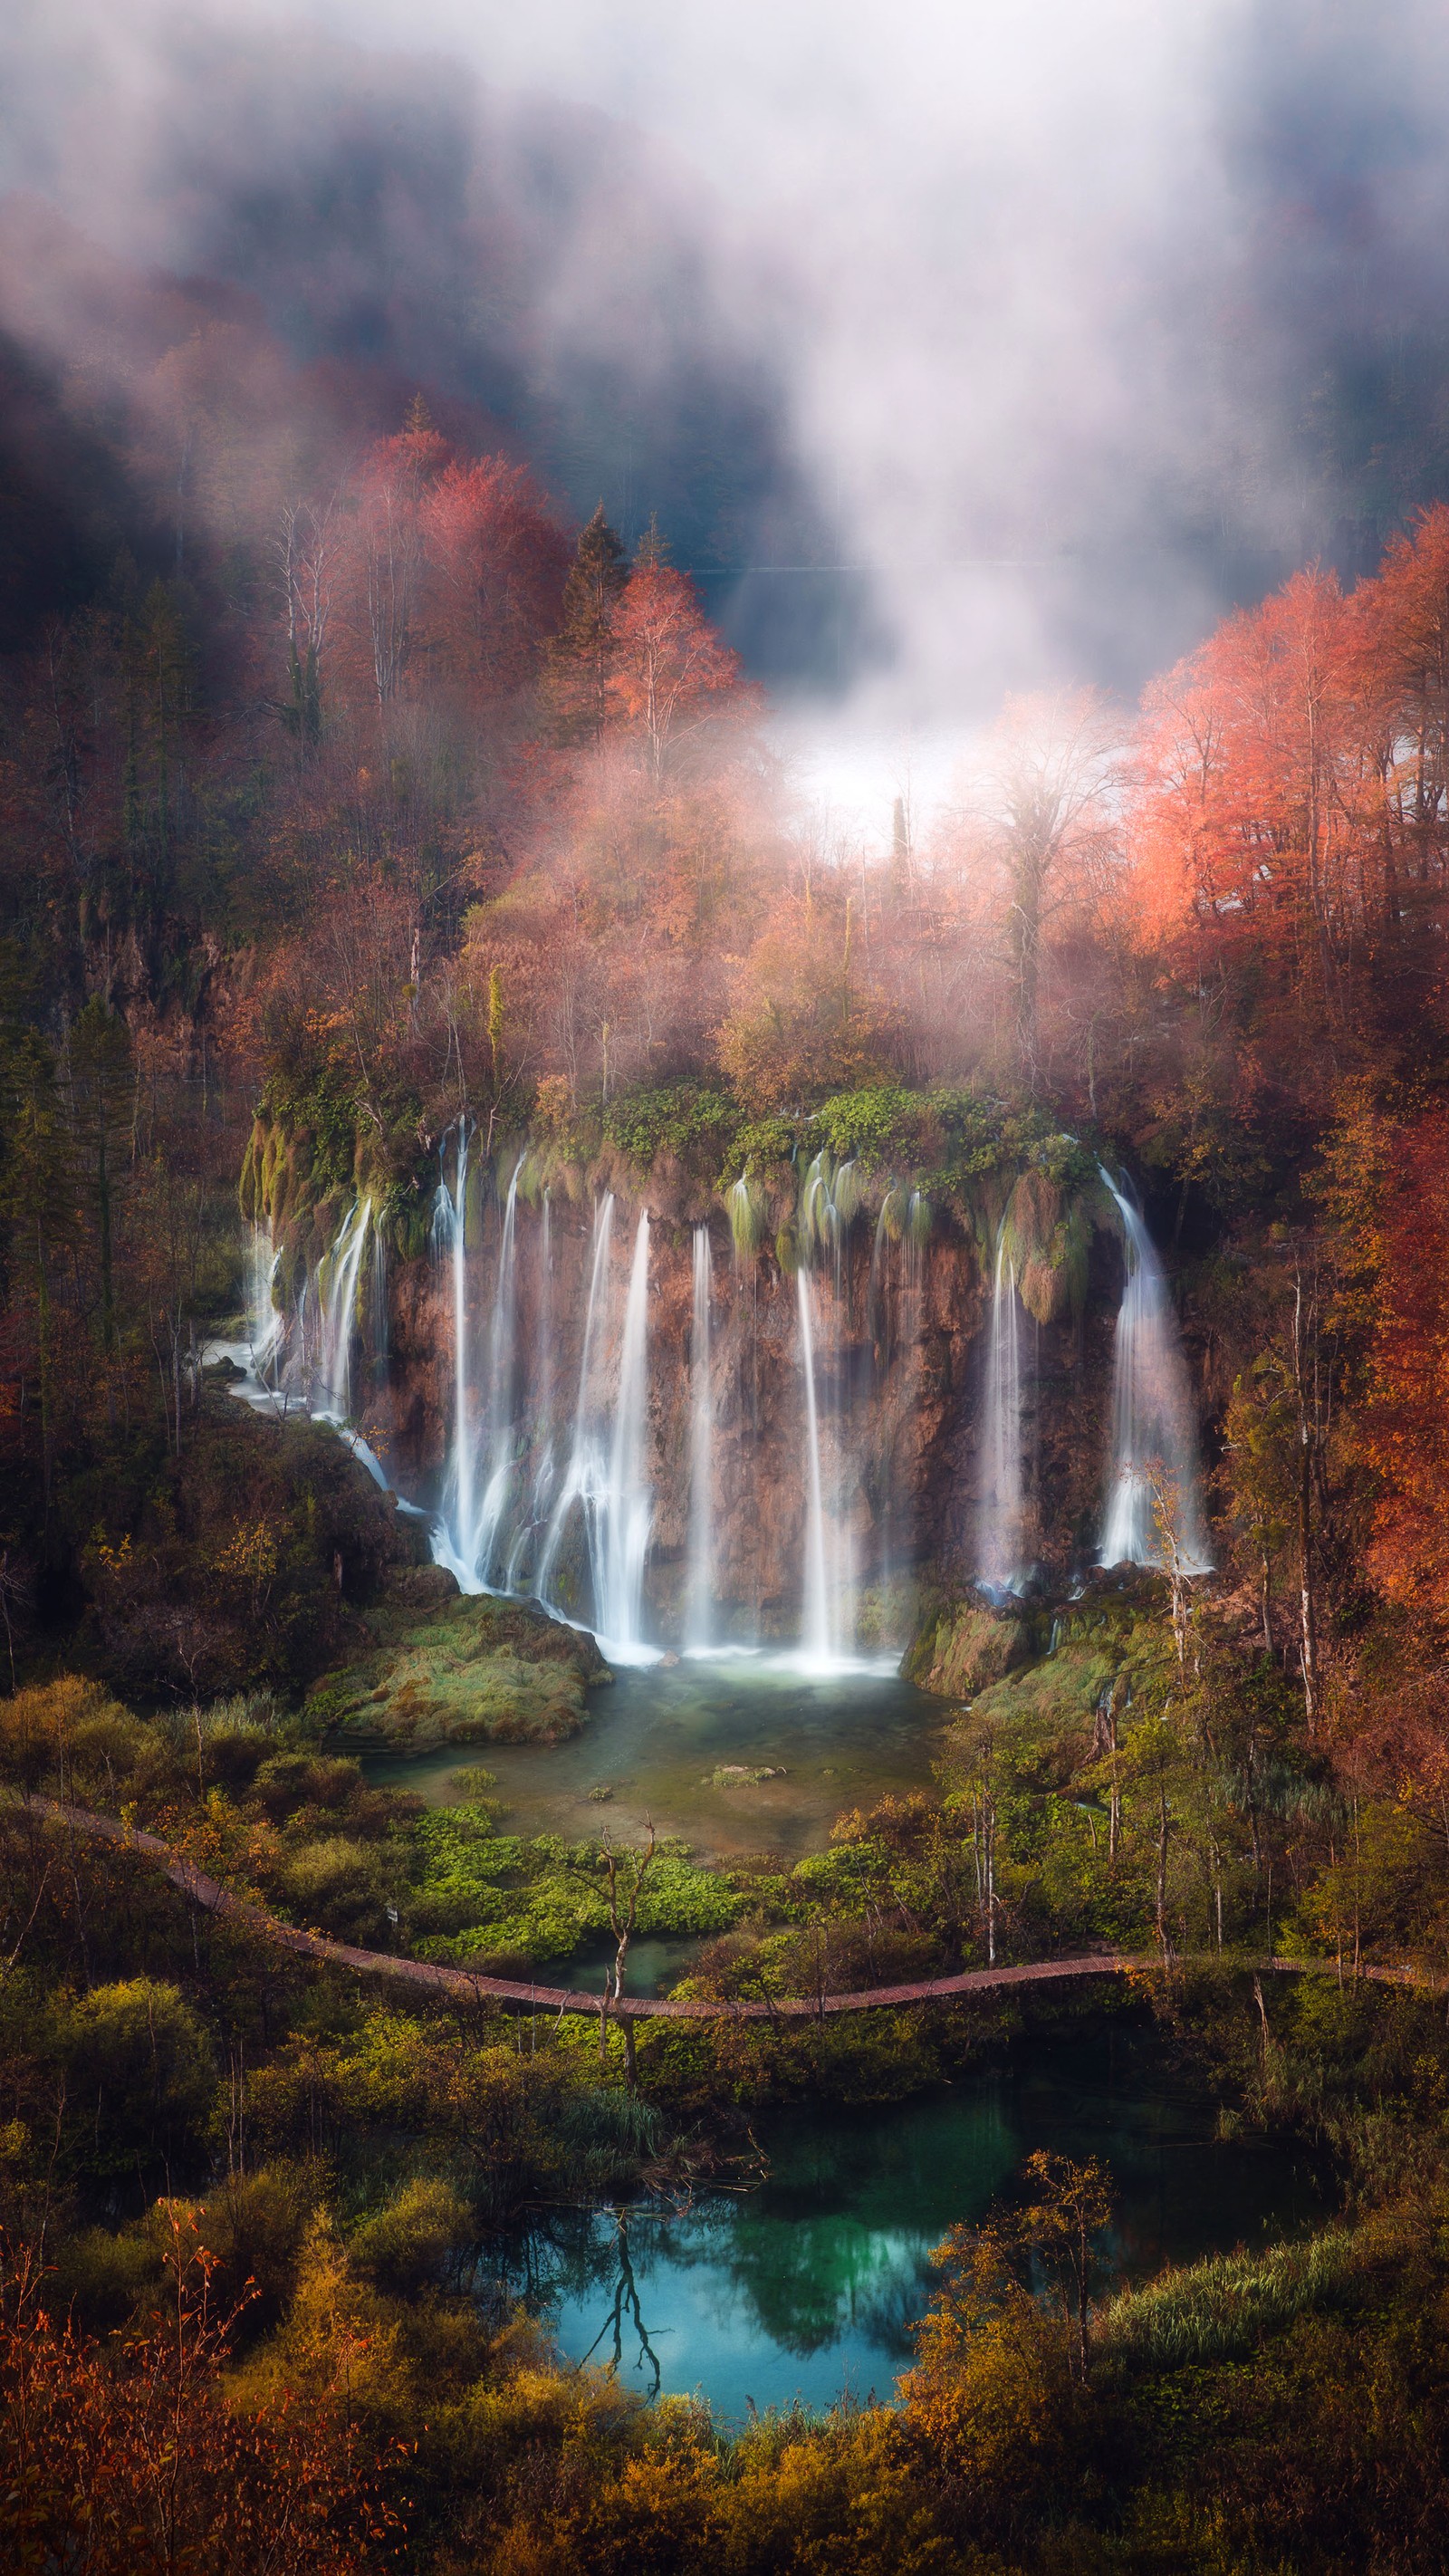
462, 1985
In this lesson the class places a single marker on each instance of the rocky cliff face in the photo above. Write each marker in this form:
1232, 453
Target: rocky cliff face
899, 1342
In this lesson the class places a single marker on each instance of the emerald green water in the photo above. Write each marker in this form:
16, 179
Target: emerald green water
806, 2288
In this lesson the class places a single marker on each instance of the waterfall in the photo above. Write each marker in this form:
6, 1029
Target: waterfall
999, 1522
474, 1520
628, 1516
449, 1231
700, 1597
582, 1477
265, 1326
828, 1202
380, 1335
534, 1517
815, 1636
337, 1284
479, 1543
307, 1360
606, 1473
545, 1330
1154, 1437
877, 1320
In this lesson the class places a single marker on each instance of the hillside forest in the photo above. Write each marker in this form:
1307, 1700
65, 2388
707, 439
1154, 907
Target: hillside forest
348, 793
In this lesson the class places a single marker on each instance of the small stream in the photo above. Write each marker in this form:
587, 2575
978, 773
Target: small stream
806, 2288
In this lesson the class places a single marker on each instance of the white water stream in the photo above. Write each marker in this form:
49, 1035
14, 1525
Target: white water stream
1153, 1475
337, 1290
1000, 1502
606, 1486
699, 1604
449, 1244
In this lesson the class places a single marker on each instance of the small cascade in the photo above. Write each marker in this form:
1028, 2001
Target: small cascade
379, 1319
605, 1477
815, 1637
479, 1544
628, 1502
449, 1245
585, 1483
266, 1327
828, 1202
337, 1291
305, 1360
699, 1605
545, 1322
541, 1468
999, 1522
1154, 1461
877, 1318
895, 1327
583, 1476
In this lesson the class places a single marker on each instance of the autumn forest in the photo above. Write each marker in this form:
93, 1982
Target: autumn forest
505, 1197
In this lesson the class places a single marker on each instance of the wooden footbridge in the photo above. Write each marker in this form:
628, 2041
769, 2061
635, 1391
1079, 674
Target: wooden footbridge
461, 1985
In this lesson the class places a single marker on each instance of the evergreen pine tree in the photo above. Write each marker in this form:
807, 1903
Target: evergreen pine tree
652, 552
582, 653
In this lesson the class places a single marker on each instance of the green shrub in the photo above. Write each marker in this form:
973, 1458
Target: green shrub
683, 1119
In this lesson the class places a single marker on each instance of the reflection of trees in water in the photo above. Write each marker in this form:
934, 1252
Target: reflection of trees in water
625, 2319
804, 2283
809, 2284
832, 2252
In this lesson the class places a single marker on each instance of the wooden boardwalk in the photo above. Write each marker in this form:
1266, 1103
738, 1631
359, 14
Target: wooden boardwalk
461, 1985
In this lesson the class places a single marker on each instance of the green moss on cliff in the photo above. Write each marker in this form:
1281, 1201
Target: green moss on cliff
966, 1646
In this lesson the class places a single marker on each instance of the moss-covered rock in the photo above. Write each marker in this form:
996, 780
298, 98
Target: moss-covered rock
963, 1648
447, 1668
1055, 1696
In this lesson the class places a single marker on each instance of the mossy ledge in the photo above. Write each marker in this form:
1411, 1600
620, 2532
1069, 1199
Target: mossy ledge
444, 1667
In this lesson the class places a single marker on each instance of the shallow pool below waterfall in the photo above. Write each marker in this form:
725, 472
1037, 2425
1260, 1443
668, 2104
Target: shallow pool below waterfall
805, 2289
659, 1738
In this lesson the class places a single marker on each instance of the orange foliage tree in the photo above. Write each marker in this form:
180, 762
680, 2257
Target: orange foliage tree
671, 673
497, 564
1401, 621
1248, 827
805, 1016
125, 2459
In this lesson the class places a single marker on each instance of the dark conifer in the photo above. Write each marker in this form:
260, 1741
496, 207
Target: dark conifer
582, 653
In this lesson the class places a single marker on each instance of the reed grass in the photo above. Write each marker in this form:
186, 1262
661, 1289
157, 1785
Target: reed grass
1222, 2307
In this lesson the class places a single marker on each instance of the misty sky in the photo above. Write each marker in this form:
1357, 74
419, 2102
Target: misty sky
957, 349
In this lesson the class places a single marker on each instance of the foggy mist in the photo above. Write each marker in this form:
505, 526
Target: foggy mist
952, 355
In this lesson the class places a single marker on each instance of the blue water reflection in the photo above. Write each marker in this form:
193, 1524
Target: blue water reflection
806, 2289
